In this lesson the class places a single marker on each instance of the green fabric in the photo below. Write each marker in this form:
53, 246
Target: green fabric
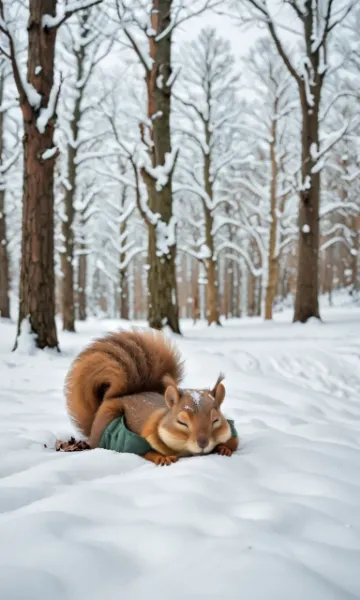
119, 438
234, 433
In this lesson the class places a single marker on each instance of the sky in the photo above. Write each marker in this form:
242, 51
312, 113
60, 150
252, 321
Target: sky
241, 38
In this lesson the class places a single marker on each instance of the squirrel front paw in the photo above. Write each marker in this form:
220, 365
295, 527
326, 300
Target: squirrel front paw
223, 450
160, 459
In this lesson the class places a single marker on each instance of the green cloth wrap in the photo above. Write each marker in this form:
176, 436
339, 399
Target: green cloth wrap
119, 438
234, 433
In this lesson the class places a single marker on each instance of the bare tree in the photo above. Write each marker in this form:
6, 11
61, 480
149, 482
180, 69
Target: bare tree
273, 121
316, 20
38, 95
208, 109
152, 24
8, 158
83, 44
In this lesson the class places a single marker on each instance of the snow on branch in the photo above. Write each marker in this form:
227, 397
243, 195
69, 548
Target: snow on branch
49, 111
64, 12
227, 245
6, 165
165, 236
161, 173
335, 206
198, 191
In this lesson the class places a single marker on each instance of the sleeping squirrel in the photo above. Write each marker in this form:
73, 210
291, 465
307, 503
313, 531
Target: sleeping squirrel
130, 379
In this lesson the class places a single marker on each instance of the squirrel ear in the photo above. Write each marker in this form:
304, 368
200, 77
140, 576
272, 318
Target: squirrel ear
171, 396
218, 390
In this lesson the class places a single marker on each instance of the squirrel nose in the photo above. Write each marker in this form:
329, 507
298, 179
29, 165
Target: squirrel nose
202, 441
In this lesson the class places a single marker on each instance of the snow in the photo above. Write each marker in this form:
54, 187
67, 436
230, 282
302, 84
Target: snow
49, 111
196, 397
25, 341
280, 519
306, 228
307, 183
204, 252
49, 21
49, 153
165, 236
32, 94
161, 173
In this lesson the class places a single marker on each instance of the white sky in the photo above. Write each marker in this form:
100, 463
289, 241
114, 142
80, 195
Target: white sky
241, 39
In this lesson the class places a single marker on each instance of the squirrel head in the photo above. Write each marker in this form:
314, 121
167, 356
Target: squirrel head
194, 423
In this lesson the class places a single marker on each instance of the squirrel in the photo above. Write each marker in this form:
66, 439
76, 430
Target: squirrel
136, 375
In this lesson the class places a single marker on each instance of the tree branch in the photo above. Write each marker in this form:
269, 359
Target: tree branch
49, 22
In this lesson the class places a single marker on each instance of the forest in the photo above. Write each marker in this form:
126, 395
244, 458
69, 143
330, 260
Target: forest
147, 174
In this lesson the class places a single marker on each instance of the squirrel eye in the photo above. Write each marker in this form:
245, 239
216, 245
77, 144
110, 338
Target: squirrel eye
182, 423
215, 421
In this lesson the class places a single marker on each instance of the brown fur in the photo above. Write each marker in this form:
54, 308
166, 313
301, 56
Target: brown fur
137, 374
119, 364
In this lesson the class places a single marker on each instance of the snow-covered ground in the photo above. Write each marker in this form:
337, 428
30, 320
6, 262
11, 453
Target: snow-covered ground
280, 520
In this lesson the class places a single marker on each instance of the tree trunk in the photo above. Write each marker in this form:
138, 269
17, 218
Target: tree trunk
307, 284
162, 288
212, 309
4, 258
37, 281
355, 255
67, 256
124, 295
195, 294
306, 300
81, 288
4, 263
272, 258
212, 301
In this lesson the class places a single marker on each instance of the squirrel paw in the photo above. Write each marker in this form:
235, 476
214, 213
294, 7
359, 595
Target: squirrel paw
160, 459
223, 450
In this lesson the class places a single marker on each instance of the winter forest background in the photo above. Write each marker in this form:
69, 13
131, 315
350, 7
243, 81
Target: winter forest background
177, 159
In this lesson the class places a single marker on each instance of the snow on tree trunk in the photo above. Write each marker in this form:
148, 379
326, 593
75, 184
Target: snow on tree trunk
307, 284
37, 282
37, 279
38, 96
162, 289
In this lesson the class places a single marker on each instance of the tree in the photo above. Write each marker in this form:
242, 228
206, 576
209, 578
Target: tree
38, 94
316, 20
273, 120
9, 155
83, 48
207, 107
160, 158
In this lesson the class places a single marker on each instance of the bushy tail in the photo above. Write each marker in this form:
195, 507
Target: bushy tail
119, 364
